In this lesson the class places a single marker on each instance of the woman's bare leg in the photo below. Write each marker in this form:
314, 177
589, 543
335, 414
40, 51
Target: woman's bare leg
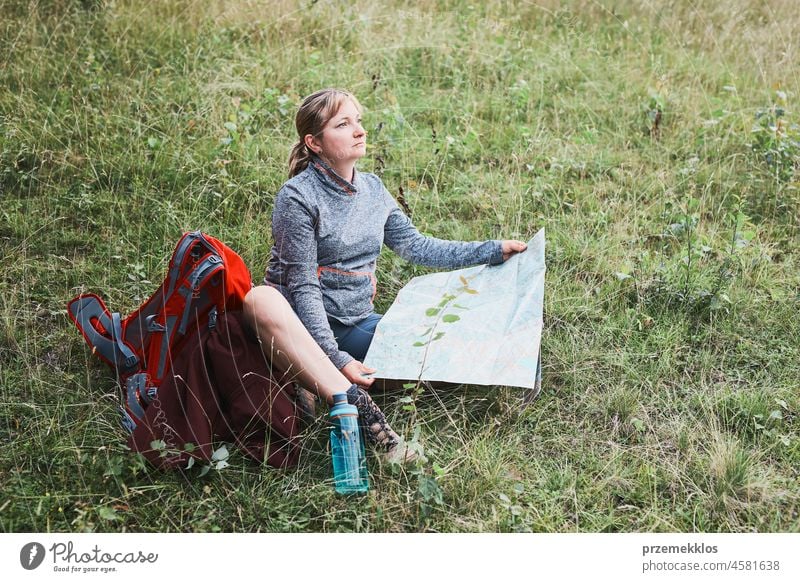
289, 345
296, 354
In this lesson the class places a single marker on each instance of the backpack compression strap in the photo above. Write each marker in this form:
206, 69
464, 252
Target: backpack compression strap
198, 279
103, 332
138, 395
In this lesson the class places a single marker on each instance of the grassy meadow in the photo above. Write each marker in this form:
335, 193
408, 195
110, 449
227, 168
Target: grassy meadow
658, 143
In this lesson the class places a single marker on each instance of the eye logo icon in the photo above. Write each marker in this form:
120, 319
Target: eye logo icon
31, 555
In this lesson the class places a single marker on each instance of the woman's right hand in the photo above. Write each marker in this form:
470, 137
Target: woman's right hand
355, 370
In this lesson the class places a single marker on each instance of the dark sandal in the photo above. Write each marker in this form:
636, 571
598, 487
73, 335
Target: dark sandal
377, 429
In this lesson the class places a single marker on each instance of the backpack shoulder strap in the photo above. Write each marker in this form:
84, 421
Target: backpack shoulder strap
197, 279
177, 263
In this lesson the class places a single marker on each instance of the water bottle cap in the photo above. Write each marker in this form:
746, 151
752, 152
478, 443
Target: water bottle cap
341, 407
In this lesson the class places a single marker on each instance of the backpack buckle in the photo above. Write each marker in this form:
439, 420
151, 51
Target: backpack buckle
153, 325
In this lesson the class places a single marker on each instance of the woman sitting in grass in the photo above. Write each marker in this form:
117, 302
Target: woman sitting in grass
329, 224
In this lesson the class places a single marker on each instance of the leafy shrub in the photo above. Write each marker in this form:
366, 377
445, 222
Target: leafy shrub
776, 140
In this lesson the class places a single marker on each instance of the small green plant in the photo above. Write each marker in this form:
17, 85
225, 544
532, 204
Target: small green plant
514, 510
439, 313
653, 110
696, 279
429, 493
219, 457
776, 139
520, 93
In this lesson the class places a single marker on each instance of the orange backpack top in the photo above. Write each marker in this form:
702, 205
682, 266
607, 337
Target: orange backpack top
205, 278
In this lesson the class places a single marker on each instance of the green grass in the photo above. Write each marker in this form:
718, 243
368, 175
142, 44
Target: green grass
626, 129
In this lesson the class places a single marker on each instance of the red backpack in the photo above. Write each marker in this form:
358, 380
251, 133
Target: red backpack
205, 278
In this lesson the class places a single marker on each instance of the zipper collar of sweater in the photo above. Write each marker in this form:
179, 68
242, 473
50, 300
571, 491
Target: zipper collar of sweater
330, 178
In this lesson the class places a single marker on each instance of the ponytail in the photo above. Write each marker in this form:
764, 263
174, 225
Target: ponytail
299, 158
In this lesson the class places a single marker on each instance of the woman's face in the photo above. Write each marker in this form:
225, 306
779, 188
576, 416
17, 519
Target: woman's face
343, 138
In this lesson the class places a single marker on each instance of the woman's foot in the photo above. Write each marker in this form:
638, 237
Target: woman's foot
377, 429
306, 404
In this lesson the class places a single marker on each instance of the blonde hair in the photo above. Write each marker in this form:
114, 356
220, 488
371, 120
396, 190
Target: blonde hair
314, 113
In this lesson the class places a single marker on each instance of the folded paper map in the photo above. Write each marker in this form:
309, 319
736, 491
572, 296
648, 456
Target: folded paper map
481, 325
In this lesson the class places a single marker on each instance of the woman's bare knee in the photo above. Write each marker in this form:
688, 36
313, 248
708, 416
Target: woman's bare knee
265, 309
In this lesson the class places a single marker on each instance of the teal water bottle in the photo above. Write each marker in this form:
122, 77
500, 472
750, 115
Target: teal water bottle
347, 448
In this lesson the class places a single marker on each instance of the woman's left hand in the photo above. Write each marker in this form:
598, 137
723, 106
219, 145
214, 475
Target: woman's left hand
358, 373
512, 247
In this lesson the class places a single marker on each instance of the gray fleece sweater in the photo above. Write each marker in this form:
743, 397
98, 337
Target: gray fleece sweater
327, 236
